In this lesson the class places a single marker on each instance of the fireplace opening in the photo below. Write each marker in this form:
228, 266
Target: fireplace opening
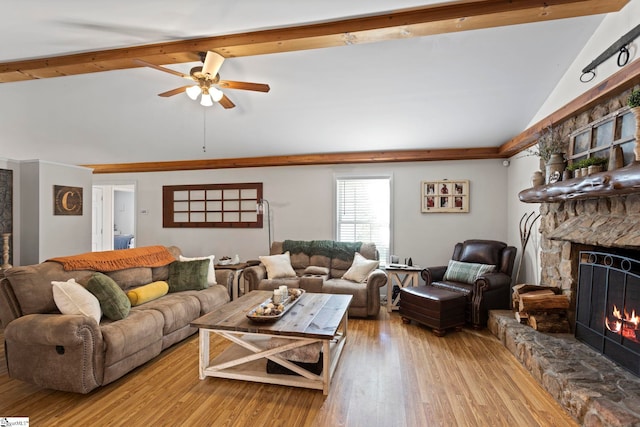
607, 306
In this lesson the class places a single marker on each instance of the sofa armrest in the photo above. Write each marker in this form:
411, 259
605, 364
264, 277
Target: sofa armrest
53, 329
377, 278
57, 351
9, 306
433, 274
491, 281
225, 278
253, 275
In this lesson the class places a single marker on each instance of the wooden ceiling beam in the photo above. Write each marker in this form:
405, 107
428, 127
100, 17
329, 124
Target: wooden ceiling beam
302, 160
401, 24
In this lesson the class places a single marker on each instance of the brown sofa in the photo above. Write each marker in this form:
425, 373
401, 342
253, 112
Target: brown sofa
75, 353
333, 259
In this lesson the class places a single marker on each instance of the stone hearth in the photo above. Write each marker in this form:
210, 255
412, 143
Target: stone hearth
593, 389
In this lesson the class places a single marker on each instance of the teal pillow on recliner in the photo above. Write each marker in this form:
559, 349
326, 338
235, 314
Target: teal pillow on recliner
466, 272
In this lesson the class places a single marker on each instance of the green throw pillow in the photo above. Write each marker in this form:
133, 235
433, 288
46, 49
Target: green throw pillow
466, 272
114, 302
188, 275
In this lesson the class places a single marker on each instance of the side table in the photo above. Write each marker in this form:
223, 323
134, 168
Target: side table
237, 268
402, 277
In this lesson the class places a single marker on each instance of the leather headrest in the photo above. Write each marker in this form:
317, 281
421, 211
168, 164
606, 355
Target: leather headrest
482, 252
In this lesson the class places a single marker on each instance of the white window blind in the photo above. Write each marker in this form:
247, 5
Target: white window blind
364, 212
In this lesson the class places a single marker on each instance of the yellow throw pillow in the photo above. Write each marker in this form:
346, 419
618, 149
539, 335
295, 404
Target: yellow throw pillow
147, 293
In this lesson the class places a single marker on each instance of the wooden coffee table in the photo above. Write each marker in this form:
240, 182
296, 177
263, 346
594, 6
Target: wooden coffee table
316, 318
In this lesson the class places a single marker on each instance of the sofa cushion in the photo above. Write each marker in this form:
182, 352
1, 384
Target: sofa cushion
316, 270
271, 284
466, 272
188, 275
211, 273
32, 285
146, 293
131, 277
278, 266
178, 310
347, 287
113, 301
210, 298
123, 338
72, 298
360, 268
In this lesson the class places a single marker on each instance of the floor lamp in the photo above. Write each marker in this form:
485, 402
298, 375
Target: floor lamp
260, 210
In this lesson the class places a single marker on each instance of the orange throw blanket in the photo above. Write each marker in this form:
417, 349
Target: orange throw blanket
146, 256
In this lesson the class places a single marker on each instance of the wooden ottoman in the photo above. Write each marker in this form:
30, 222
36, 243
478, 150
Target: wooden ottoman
436, 308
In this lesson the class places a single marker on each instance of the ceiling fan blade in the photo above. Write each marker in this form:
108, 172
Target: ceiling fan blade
226, 102
230, 84
160, 68
212, 63
173, 91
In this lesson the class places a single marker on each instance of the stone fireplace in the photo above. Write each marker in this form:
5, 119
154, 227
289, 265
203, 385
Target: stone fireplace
605, 224
591, 387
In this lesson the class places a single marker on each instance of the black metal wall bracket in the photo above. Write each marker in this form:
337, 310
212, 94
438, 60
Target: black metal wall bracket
620, 47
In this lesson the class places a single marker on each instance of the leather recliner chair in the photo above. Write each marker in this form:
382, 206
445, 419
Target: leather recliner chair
490, 291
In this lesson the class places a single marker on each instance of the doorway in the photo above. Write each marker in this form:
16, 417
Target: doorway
113, 217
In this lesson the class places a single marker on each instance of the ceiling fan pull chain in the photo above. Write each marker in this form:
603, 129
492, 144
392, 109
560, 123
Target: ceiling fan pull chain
204, 130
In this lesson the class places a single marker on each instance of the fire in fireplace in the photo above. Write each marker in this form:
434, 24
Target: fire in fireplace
608, 300
625, 325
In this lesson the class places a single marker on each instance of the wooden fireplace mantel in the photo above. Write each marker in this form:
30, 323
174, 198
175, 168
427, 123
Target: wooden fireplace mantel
617, 182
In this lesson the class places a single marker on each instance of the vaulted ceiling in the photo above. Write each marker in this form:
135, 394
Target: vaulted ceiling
345, 77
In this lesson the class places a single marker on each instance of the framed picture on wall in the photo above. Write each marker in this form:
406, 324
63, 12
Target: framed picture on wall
67, 200
444, 196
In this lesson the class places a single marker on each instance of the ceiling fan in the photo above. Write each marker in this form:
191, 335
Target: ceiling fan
207, 81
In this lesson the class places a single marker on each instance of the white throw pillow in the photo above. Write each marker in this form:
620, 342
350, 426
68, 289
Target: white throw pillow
211, 273
278, 266
360, 269
72, 298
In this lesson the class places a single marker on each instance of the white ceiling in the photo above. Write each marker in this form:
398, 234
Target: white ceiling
460, 90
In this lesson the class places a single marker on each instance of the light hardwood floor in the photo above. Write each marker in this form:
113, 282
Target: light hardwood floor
390, 374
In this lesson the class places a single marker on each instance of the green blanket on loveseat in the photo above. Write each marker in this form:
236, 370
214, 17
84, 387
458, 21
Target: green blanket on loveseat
328, 248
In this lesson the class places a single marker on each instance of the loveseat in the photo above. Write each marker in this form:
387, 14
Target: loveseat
324, 266
75, 352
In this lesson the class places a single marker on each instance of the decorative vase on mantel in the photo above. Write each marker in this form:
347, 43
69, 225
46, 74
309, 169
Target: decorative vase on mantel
537, 179
555, 164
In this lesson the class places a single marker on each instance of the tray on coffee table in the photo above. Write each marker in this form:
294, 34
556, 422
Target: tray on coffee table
274, 314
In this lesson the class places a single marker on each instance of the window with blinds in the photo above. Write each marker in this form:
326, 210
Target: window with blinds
363, 212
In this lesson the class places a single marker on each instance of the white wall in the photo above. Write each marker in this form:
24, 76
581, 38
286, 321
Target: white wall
123, 211
301, 200
568, 88
44, 235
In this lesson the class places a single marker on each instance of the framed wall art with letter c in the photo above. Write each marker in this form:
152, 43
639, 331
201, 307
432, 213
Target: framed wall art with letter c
67, 200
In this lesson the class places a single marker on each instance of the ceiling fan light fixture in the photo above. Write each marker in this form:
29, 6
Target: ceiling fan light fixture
193, 92
206, 100
216, 94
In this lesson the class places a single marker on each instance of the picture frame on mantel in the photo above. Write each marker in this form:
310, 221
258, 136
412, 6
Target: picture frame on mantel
446, 196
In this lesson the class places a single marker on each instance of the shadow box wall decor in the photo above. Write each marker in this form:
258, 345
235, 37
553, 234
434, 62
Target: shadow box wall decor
212, 205
445, 196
